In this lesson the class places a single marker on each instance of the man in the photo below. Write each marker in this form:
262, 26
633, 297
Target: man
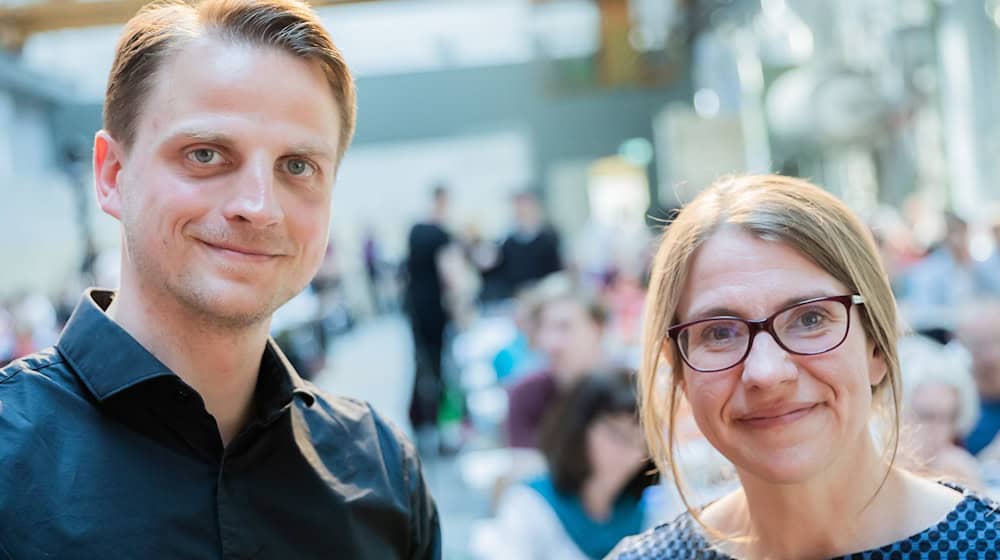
947, 280
979, 332
429, 246
531, 251
165, 423
570, 336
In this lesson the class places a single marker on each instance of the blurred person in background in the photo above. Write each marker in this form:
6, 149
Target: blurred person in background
770, 312
428, 245
531, 252
948, 279
571, 337
940, 407
520, 356
482, 255
979, 332
993, 261
36, 323
896, 246
371, 257
165, 423
598, 468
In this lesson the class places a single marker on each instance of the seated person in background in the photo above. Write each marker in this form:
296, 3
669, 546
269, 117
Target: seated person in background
570, 335
979, 333
770, 312
598, 470
519, 356
947, 280
940, 406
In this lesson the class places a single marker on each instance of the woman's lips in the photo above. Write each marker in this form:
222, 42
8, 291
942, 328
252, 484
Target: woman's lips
777, 417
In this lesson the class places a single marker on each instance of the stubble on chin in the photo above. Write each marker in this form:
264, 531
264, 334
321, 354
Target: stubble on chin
205, 304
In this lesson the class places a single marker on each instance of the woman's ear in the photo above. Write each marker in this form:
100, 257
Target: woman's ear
878, 368
665, 360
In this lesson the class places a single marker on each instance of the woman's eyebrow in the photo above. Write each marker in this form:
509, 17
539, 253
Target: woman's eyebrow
723, 311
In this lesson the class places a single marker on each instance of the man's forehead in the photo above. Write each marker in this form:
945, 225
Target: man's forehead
209, 84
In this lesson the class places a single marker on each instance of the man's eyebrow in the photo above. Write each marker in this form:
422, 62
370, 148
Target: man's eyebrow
202, 135
305, 149
310, 149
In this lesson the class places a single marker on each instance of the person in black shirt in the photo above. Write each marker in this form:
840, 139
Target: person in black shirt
428, 243
531, 251
165, 423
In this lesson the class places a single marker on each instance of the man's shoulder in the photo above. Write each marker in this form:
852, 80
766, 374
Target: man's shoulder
37, 376
41, 363
357, 422
37, 392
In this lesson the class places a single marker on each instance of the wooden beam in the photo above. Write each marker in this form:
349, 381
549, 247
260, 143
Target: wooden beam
19, 22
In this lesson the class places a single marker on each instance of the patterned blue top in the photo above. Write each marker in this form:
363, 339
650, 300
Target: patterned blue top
971, 531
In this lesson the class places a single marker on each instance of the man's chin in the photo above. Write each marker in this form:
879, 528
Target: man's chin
232, 308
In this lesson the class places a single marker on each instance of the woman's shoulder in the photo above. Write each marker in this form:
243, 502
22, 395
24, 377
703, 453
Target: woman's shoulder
680, 539
970, 530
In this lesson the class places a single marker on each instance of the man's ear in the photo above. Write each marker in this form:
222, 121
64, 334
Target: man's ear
109, 155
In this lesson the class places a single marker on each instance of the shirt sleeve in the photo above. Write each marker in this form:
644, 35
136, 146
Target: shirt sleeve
425, 526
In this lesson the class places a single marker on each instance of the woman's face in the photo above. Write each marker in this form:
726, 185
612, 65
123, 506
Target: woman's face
616, 448
781, 417
934, 413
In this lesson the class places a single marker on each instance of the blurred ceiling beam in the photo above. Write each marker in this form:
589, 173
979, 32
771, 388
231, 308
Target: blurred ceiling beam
19, 22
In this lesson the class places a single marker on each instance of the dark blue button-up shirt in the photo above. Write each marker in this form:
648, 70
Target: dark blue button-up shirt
106, 453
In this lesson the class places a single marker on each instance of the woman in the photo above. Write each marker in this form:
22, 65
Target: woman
774, 316
598, 469
940, 406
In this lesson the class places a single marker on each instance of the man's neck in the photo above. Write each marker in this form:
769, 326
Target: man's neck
220, 364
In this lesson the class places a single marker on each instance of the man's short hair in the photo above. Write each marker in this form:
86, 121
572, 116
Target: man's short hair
160, 28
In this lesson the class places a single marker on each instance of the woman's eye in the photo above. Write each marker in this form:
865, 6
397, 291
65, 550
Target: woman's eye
205, 156
718, 334
811, 319
299, 167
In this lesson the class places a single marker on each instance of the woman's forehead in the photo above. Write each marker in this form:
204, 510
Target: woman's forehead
738, 271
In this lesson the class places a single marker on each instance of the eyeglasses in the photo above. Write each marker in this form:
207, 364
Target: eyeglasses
806, 328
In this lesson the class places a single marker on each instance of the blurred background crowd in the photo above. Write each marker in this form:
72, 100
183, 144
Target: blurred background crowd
494, 219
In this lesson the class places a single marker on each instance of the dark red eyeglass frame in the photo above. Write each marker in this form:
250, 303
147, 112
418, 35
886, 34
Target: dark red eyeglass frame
756, 327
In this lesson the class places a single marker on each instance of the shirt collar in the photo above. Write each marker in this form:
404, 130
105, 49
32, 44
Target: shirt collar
108, 360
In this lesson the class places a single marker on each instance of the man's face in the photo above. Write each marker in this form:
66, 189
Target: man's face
224, 196
526, 212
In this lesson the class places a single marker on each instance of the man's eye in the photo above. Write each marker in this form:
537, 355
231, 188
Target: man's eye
205, 156
299, 167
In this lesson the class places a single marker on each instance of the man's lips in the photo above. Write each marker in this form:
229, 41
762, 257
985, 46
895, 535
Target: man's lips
242, 251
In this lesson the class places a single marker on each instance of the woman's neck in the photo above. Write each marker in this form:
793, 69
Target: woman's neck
598, 498
818, 518
858, 504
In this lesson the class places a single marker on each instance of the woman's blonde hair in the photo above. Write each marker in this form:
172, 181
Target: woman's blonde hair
787, 210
